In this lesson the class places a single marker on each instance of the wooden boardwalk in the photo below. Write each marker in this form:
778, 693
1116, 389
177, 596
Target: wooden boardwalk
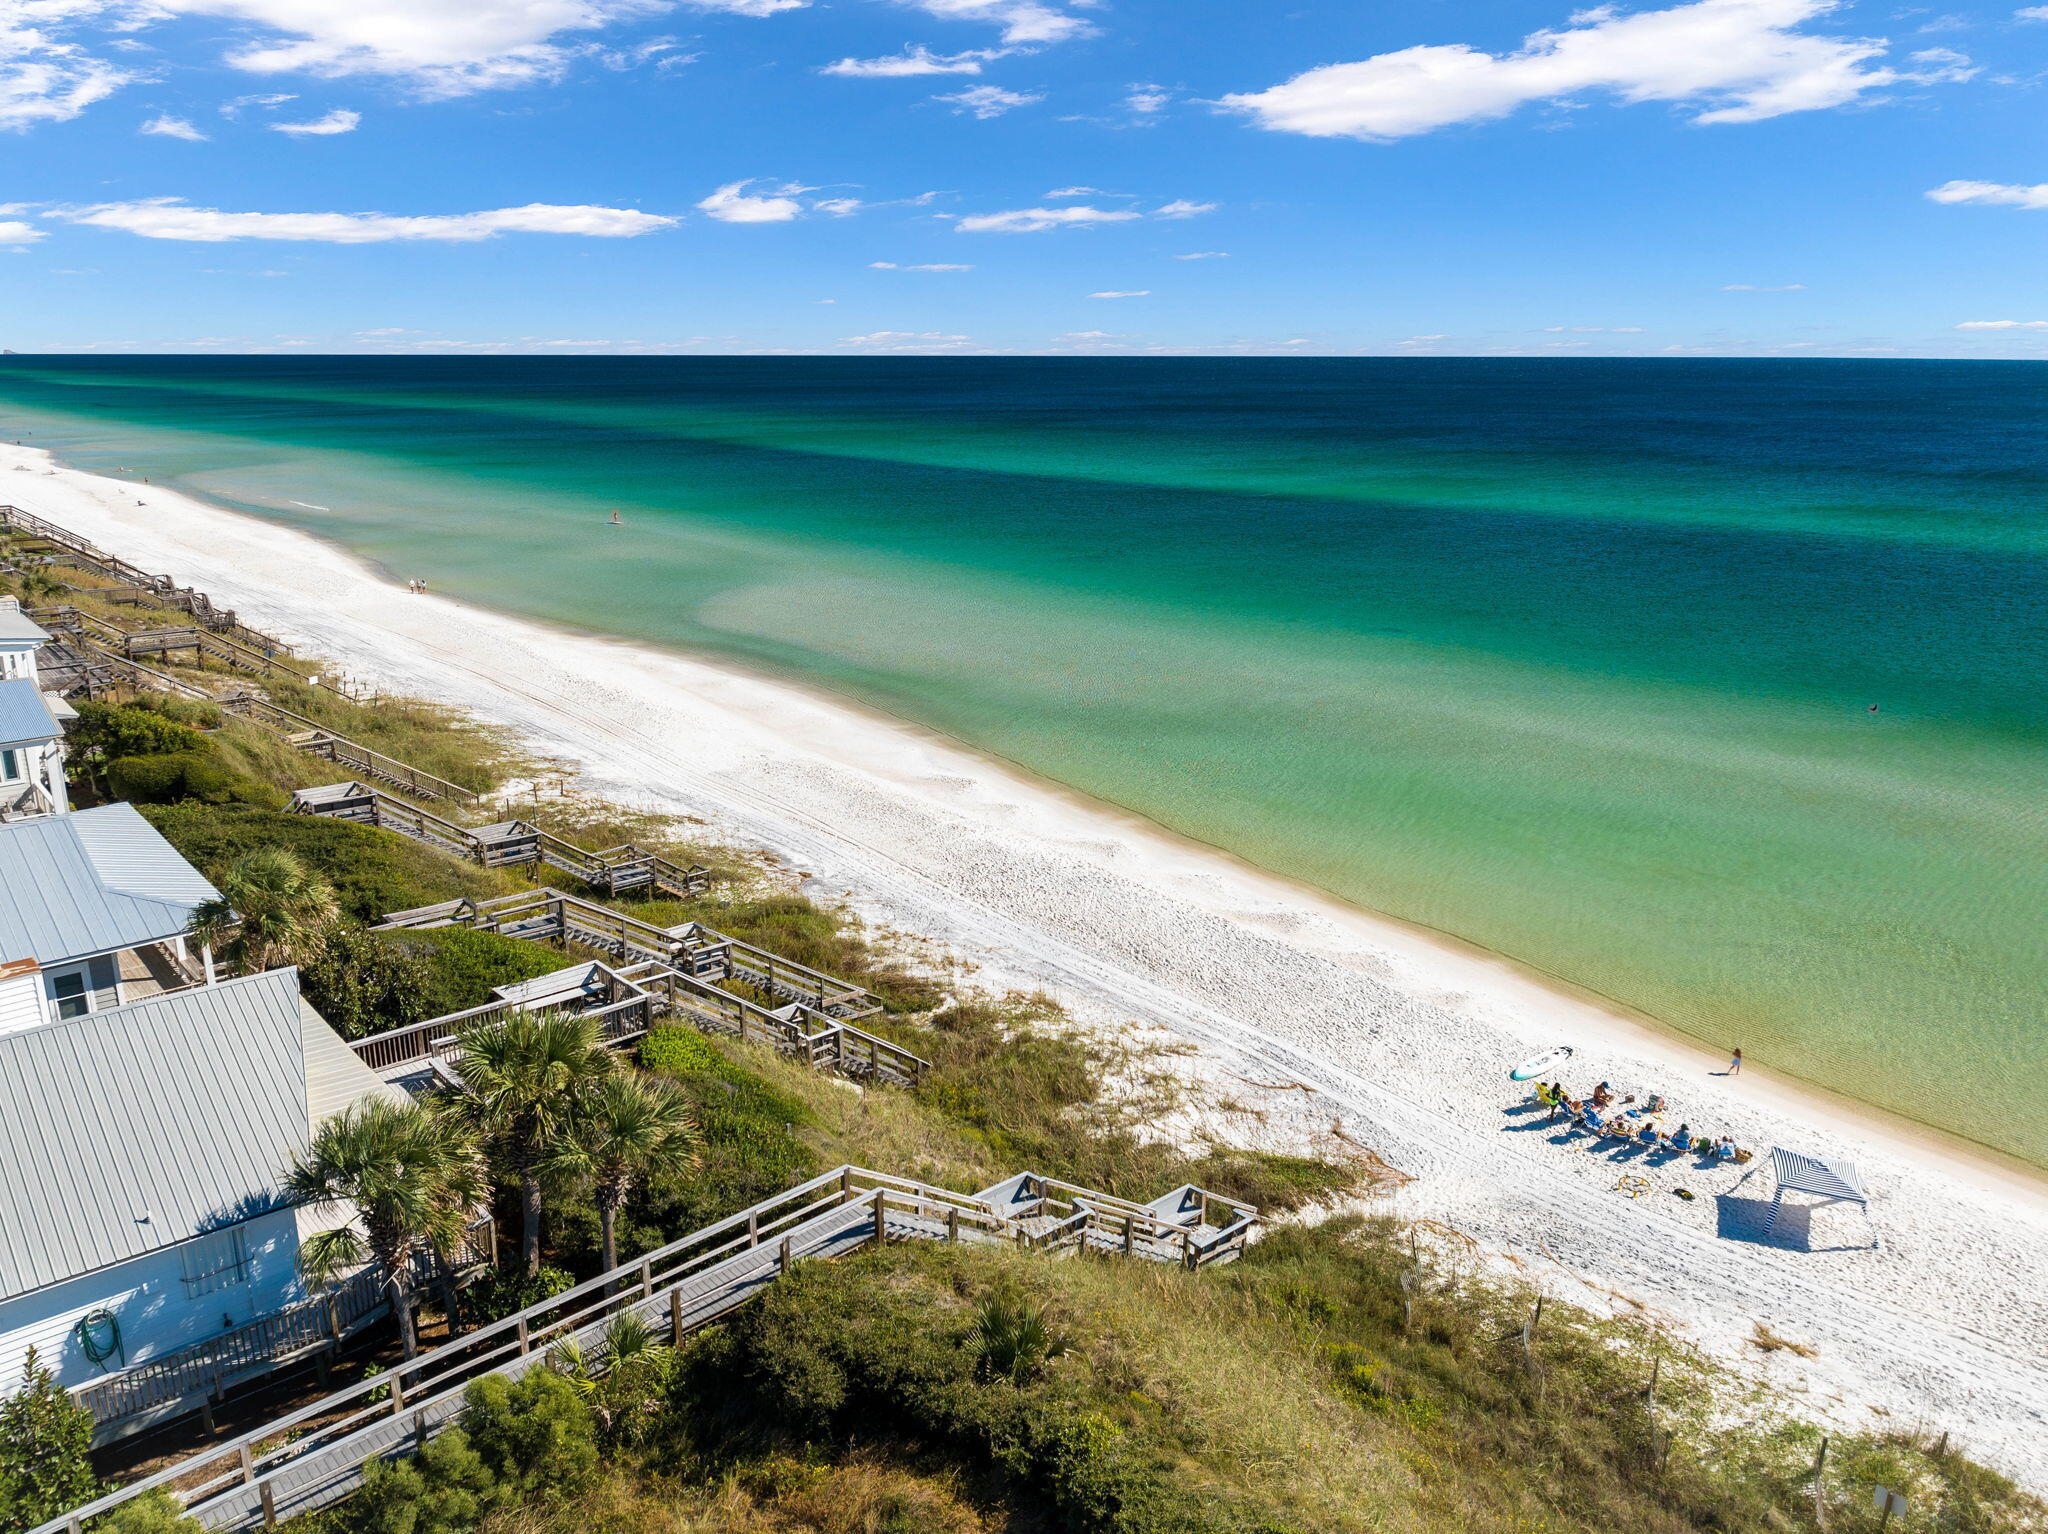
54, 544
617, 870
91, 632
317, 740
623, 1004
315, 1456
691, 949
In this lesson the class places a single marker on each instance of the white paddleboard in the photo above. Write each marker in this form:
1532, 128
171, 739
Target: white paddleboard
1548, 1060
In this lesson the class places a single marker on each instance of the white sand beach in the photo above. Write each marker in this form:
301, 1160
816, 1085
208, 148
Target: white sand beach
1323, 1019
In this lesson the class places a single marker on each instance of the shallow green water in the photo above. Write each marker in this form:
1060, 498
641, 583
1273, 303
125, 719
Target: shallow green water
1572, 659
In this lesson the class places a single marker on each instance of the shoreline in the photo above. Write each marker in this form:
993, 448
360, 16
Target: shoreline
1404, 1035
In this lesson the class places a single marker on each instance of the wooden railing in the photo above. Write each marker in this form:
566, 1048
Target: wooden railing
615, 870
317, 740
632, 1000
195, 1377
134, 584
127, 644
313, 1457
693, 949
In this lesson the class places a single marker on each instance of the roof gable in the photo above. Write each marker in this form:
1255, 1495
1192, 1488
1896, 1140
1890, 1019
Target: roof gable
25, 715
91, 882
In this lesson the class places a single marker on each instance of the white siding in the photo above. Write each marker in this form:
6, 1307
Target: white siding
21, 1002
154, 1303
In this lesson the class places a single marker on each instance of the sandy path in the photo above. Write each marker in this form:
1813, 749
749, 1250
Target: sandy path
1403, 1041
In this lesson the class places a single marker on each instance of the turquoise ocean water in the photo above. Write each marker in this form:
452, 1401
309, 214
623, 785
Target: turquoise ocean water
1572, 659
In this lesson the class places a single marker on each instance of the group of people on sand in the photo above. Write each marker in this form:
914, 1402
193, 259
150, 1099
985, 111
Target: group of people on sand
1605, 1116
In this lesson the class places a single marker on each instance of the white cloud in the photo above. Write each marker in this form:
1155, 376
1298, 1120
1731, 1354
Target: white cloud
1596, 330
1022, 21
1204, 255
169, 218
1733, 61
1094, 335
1128, 293
1940, 66
905, 341
14, 233
838, 207
1036, 220
444, 47
731, 204
172, 127
1080, 191
2003, 325
986, 101
233, 106
929, 266
1422, 340
43, 77
915, 59
2031, 13
1182, 208
1991, 194
1751, 287
748, 7
340, 121
1147, 99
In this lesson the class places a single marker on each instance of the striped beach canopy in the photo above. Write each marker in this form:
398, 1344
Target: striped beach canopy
1817, 1175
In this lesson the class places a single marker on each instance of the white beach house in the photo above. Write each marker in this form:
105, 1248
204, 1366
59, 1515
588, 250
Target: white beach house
145, 1251
31, 723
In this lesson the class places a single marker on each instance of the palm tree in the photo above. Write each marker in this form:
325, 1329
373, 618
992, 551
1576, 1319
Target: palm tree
621, 1126
523, 1075
271, 911
409, 1175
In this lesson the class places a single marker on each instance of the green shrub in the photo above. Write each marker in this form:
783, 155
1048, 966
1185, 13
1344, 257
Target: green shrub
154, 1512
444, 1489
463, 965
363, 983
505, 1292
185, 775
537, 1434
104, 731
44, 1438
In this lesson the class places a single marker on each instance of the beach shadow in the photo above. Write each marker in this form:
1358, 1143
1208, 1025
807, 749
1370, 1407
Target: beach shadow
1744, 1219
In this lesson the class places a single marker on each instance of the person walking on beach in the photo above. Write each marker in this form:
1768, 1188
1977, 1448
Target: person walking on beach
1735, 1064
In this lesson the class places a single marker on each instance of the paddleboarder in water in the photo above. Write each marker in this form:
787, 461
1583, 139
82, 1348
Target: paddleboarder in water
615, 520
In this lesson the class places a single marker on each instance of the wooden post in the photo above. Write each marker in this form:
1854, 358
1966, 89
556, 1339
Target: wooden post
1130, 1234
783, 1258
1650, 1395
881, 1216
1529, 1338
675, 1316
952, 1222
397, 1390
1820, 1506
525, 1344
753, 1228
846, 1186
647, 1280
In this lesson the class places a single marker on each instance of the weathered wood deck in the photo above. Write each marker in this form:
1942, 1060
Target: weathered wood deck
317, 740
315, 1456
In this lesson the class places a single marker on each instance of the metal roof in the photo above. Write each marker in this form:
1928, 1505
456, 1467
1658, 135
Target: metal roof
92, 881
127, 1130
16, 625
25, 714
1815, 1174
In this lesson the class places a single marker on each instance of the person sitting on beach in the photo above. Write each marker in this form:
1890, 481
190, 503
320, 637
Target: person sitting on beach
1647, 1135
1602, 1095
1681, 1139
1724, 1148
1655, 1104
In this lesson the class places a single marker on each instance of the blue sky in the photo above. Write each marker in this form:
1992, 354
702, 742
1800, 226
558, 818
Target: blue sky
1725, 177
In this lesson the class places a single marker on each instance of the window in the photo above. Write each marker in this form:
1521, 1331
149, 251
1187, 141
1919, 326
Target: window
213, 1262
11, 769
69, 992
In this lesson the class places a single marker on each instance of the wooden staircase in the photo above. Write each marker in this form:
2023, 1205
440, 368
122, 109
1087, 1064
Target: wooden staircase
623, 1004
692, 949
317, 740
314, 1457
617, 870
